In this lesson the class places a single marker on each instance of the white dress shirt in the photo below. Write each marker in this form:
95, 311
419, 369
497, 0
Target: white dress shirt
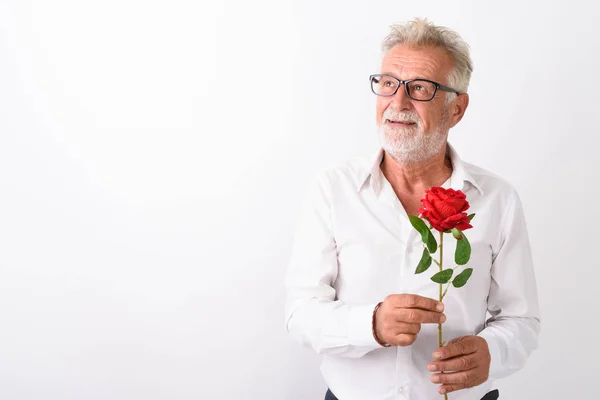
354, 245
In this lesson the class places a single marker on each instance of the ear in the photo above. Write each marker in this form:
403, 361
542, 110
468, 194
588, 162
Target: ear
458, 108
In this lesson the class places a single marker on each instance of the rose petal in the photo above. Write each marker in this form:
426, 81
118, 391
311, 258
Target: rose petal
464, 226
464, 223
439, 193
456, 221
444, 209
431, 209
435, 223
456, 204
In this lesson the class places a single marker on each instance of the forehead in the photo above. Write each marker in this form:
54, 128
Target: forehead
408, 62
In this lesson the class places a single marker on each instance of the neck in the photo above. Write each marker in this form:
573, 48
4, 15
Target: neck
415, 178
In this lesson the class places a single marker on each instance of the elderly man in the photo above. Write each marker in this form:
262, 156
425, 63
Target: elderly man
352, 292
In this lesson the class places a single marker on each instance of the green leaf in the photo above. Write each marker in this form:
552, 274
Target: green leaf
443, 276
463, 251
461, 279
425, 262
426, 234
431, 242
471, 216
418, 224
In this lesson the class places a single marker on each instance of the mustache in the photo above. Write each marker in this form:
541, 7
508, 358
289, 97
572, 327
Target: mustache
394, 115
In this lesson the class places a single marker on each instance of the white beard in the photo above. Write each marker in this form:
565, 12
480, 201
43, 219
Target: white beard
409, 145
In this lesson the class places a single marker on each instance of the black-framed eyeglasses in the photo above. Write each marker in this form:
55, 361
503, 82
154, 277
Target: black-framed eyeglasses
416, 89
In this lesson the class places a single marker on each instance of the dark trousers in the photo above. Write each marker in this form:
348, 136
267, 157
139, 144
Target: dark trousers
493, 395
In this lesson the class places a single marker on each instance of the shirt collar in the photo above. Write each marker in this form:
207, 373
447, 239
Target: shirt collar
460, 173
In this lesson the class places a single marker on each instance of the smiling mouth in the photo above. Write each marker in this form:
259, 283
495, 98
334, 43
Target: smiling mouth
404, 123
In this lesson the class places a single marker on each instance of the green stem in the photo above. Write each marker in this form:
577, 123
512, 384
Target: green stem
448, 287
441, 294
445, 291
440, 337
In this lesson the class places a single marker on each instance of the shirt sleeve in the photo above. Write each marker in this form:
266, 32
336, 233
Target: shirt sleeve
513, 329
313, 315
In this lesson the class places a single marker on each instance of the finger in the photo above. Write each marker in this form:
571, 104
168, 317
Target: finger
417, 316
457, 347
461, 377
416, 301
458, 363
451, 388
404, 339
405, 327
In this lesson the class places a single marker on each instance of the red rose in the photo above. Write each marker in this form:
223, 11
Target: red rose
445, 209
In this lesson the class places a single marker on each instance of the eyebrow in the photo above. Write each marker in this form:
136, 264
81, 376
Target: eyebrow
418, 77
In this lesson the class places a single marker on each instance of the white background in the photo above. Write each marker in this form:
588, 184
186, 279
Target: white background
152, 156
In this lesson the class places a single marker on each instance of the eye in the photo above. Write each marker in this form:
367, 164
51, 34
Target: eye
388, 83
384, 85
418, 87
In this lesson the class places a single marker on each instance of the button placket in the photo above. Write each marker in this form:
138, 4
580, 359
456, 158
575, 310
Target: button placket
403, 365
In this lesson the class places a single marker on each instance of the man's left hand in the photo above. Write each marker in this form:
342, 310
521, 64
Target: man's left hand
465, 361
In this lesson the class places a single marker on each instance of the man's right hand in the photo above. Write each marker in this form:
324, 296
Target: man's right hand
398, 320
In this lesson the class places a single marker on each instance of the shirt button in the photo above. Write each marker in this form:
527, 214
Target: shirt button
400, 390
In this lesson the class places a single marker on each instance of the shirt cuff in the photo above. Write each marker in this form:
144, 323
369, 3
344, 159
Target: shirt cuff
360, 326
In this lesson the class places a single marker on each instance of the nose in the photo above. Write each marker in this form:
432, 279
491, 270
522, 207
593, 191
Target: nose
400, 99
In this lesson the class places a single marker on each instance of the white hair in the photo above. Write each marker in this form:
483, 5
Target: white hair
422, 33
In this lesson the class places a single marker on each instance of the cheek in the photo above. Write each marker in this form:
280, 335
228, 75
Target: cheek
429, 116
438, 113
382, 105
423, 114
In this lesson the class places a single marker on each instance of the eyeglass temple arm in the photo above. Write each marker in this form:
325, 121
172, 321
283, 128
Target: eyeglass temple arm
448, 89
